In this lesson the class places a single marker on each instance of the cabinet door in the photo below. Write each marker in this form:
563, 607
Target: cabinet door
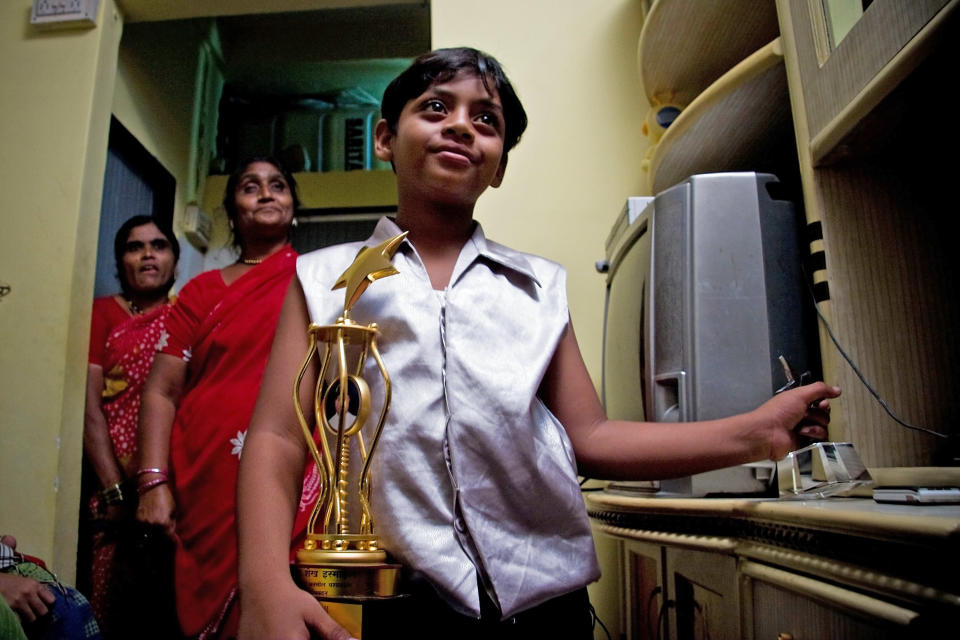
643, 591
780, 604
704, 594
843, 80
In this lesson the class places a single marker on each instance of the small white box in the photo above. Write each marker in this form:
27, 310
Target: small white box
197, 227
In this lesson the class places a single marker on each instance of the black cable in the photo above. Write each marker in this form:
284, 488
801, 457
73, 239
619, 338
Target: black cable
597, 620
869, 387
583, 489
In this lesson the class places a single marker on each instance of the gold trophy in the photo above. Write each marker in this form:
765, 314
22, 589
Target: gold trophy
342, 564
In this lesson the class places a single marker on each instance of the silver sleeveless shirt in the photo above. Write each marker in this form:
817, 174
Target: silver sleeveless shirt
473, 475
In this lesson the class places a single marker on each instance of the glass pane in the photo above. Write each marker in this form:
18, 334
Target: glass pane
841, 16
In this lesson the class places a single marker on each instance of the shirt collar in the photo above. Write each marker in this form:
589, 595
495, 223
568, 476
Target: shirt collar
476, 247
8, 557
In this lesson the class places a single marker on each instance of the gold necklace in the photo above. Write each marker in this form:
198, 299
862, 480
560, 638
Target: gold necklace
251, 260
133, 306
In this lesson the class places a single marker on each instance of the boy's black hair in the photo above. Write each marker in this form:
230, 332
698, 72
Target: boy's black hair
120, 246
440, 65
229, 195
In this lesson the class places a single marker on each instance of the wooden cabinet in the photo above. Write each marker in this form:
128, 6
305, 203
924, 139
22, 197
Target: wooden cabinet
702, 586
678, 586
768, 569
872, 131
838, 84
786, 605
644, 589
862, 131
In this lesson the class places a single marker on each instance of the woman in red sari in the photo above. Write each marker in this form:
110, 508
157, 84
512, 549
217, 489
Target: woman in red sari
124, 331
201, 391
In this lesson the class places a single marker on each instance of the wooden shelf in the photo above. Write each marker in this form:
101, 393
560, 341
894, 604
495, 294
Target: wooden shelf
872, 127
841, 128
734, 124
685, 45
843, 85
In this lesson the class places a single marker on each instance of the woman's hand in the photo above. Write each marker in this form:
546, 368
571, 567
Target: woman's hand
157, 507
286, 612
803, 411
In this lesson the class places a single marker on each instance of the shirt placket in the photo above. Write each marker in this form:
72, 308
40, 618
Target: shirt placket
460, 529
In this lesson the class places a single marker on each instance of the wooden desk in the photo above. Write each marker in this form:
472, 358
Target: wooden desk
755, 568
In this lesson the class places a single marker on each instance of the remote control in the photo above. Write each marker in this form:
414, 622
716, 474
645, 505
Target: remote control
917, 495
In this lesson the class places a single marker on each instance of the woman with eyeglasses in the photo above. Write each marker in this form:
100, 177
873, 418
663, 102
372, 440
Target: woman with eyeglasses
125, 329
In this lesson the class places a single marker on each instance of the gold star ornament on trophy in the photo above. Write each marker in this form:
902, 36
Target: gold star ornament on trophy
341, 562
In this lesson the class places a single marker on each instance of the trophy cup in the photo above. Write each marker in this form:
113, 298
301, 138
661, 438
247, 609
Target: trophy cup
341, 562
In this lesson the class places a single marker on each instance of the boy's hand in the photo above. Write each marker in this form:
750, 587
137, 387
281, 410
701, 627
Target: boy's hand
287, 613
29, 598
802, 411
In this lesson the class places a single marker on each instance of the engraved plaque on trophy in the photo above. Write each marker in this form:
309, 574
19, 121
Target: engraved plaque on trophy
341, 562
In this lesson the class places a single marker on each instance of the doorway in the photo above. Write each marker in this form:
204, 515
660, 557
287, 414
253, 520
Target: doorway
134, 183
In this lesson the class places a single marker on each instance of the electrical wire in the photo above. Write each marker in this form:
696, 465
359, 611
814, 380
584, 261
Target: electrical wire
597, 620
863, 379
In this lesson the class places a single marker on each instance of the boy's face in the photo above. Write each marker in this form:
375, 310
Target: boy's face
448, 144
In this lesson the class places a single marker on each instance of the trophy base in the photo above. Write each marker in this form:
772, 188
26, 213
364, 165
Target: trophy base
365, 618
356, 588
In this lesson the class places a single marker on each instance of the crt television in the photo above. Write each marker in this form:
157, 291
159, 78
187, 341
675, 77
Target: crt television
704, 295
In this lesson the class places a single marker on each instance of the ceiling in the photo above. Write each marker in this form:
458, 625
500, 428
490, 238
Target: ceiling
301, 52
154, 10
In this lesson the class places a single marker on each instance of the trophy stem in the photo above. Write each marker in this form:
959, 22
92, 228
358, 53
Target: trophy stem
347, 572
343, 524
387, 394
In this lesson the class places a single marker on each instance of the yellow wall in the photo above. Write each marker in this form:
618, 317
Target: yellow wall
573, 64
56, 113
154, 92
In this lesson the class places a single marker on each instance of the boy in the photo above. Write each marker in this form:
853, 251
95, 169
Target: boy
475, 482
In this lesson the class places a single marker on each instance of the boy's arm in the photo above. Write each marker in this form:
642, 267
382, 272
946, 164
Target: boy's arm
268, 492
630, 450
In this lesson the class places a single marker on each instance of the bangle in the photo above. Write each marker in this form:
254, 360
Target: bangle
112, 494
161, 472
150, 484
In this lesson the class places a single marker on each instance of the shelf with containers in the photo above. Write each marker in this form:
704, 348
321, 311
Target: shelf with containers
712, 70
740, 122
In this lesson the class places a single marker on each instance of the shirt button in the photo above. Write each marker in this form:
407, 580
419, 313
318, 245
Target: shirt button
459, 525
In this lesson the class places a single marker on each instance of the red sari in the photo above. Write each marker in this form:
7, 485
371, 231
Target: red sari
123, 346
224, 333
125, 355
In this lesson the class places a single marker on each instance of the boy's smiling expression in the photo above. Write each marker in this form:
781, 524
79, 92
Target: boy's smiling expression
449, 141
